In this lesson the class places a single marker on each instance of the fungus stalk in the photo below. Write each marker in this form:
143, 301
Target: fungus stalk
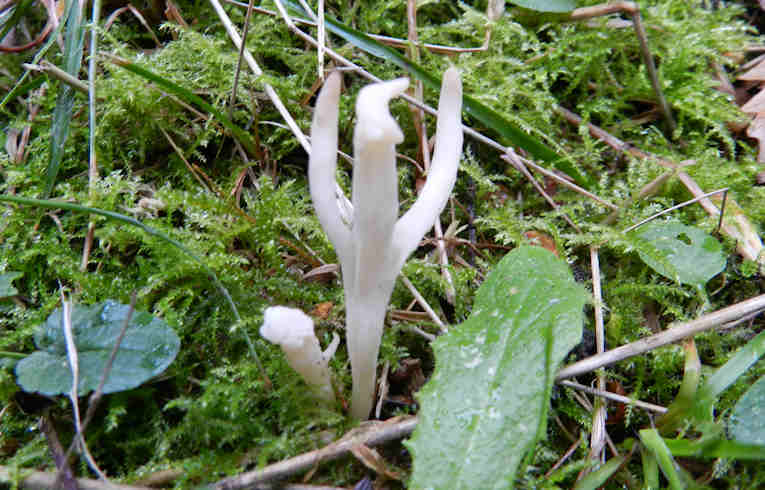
372, 248
292, 329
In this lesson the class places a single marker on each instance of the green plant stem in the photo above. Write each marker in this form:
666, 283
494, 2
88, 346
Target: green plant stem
62, 114
185, 94
92, 160
14, 355
654, 442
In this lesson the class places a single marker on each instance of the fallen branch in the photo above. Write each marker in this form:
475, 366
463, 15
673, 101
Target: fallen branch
368, 434
43, 480
673, 334
615, 397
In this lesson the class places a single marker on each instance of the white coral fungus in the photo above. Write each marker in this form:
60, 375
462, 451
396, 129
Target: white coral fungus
373, 248
292, 329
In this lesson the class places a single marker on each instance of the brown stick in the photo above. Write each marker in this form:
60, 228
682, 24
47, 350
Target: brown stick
615, 397
43, 480
370, 434
673, 334
245, 31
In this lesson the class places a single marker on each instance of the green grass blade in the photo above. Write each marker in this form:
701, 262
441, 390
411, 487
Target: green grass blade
654, 442
510, 134
13, 19
597, 478
727, 375
12, 355
47, 203
22, 86
716, 448
186, 95
650, 469
62, 114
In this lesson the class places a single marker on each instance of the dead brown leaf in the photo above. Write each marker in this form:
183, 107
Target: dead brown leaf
755, 74
322, 310
323, 273
541, 240
756, 130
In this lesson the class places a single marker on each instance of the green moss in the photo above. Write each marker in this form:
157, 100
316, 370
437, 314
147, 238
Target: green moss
212, 409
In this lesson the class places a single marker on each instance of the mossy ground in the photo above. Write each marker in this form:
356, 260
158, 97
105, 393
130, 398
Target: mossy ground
211, 410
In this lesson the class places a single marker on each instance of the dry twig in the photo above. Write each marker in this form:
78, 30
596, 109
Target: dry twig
674, 333
423, 303
614, 396
598, 431
633, 10
369, 434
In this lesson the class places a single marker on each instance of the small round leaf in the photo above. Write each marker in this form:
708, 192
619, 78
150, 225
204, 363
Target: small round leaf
681, 253
148, 348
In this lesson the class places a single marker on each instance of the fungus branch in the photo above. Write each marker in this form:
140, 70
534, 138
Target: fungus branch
293, 331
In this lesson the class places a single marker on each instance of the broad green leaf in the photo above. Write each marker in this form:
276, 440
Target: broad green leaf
148, 348
546, 5
681, 253
6, 288
510, 134
596, 479
747, 423
482, 409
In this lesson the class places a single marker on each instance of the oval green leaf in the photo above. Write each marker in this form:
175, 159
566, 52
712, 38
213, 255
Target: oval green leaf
147, 349
681, 253
486, 402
